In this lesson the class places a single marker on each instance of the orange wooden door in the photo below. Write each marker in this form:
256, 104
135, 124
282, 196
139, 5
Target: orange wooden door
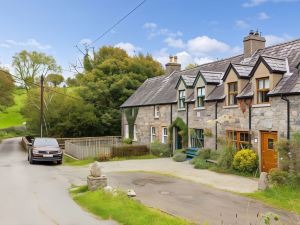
268, 153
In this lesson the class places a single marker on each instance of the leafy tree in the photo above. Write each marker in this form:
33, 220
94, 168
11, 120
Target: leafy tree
29, 66
109, 78
72, 82
191, 65
6, 89
55, 79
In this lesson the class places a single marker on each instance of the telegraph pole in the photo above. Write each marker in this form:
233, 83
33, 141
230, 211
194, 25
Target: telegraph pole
42, 104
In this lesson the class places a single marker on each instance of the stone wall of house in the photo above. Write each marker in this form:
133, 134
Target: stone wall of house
272, 117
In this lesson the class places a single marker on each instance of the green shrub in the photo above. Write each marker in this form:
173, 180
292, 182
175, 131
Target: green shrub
179, 157
159, 149
129, 150
200, 163
204, 153
127, 141
226, 157
214, 155
183, 150
245, 160
279, 177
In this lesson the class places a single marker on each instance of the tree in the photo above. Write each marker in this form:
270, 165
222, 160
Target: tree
29, 66
191, 65
6, 89
55, 79
109, 78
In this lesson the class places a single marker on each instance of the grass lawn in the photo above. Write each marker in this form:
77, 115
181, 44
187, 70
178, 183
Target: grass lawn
68, 161
283, 197
122, 209
12, 116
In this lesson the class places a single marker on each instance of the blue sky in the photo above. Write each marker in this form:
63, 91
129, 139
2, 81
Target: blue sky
196, 31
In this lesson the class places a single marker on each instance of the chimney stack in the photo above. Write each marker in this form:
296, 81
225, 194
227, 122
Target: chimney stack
253, 42
172, 65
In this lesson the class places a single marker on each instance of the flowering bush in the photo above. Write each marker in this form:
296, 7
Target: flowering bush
245, 160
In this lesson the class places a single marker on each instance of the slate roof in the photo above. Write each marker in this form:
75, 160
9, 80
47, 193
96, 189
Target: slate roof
212, 77
161, 90
188, 79
247, 92
243, 70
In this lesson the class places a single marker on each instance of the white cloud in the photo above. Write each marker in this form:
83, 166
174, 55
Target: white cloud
204, 45
31, 43
85, 41
184, 58
162, 56
150, 26
129, 48
175, 43
203, 60
253, 3
263, 16
272, 39
241, 24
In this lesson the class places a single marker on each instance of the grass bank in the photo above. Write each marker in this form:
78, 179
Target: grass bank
68, 161
282, 197
122, 209
12, 115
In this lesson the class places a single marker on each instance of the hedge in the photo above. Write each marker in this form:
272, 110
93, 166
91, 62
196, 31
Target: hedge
129, 150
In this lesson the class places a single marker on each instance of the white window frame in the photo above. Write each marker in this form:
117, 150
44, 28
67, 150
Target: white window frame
164, 135
134, 133
153, 134
181, 99
126, 131
156, 111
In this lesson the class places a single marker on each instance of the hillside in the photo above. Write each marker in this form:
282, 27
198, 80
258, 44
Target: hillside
12, 116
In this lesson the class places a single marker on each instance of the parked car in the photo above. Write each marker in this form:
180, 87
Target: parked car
45, 150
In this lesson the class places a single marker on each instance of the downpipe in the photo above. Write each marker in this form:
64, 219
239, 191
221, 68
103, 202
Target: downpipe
288, 115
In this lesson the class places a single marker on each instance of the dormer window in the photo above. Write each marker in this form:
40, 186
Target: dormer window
232, 93
156, 111
200, 96
181, 101
263, 87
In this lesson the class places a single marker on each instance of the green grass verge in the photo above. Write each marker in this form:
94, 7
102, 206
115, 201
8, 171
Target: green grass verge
68, 161
12, 115
122, 209
282, 197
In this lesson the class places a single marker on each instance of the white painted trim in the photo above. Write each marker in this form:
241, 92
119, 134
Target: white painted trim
261, 105
179, 110
199, 108
230, 107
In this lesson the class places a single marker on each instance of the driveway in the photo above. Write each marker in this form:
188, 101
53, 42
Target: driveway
36, 194
183, 170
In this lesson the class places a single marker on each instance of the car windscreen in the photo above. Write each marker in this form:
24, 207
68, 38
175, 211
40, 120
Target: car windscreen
41, 142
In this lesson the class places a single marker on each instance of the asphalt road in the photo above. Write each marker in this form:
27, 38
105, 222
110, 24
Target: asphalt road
36, 194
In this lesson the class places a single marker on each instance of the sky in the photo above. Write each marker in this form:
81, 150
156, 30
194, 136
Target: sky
196, 31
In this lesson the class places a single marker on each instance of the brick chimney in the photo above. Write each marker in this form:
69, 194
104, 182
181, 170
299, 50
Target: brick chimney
172, 65
253, 42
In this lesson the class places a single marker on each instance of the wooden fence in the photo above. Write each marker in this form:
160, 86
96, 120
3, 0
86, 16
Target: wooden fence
82, 148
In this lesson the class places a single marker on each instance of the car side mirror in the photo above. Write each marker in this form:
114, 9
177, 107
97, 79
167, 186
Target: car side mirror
29, 144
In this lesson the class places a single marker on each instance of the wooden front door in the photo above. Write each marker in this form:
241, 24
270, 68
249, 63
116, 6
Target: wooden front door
269, 155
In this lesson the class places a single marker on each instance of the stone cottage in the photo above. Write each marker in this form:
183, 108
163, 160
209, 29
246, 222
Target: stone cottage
249, 99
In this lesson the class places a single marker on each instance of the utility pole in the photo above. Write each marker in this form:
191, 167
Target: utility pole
42, 104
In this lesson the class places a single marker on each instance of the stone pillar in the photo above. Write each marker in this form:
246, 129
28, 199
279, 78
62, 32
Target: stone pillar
96, 180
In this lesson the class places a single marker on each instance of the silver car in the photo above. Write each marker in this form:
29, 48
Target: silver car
45, 150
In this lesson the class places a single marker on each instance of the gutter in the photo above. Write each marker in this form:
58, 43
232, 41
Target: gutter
288, 115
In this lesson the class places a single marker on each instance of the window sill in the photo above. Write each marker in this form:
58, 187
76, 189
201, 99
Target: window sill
261, 105
156, 117
199, 108
179, 110
230, 107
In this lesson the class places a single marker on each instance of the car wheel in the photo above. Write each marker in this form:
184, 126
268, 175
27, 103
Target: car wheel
30, 159
59, 162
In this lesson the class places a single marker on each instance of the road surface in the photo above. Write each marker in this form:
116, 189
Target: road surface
36, 194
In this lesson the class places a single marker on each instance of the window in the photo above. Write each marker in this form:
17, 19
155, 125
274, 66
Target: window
153, 134
200, 96
263, 87
164, 135
270, 144
134, 133
181, 99
197, 138
156, 111
232, 93
126, 131
239, 139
